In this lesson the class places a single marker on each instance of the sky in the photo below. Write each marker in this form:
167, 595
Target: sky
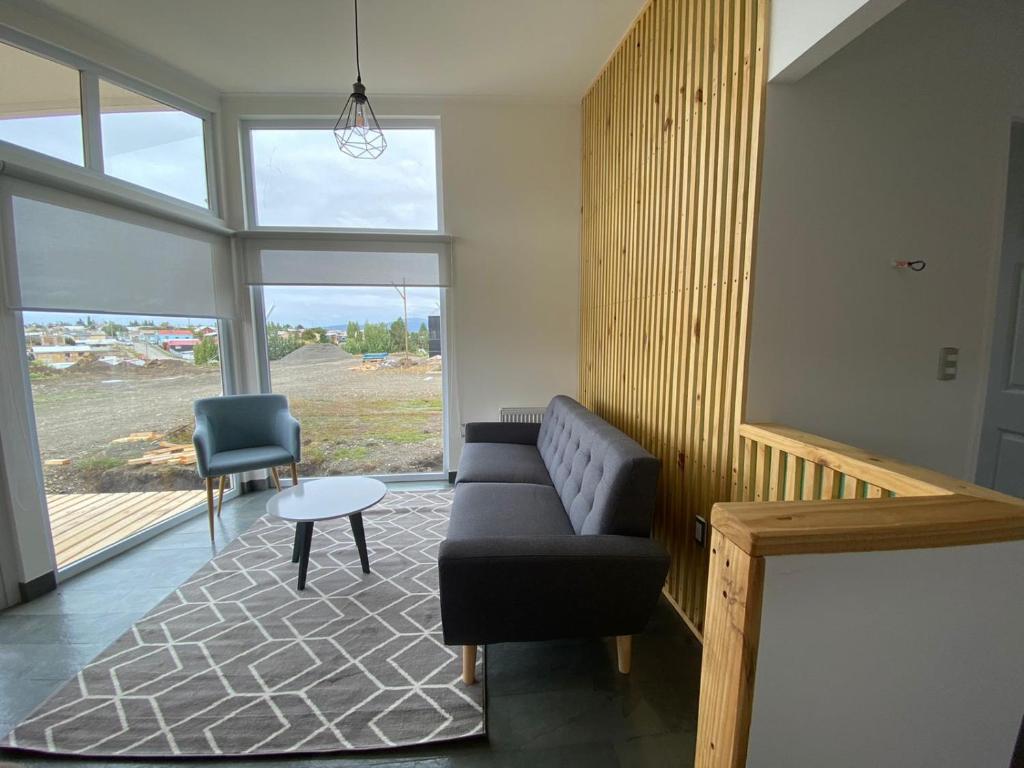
301, 179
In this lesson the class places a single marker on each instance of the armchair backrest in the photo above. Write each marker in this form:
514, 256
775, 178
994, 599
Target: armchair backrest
233, 422
606, 480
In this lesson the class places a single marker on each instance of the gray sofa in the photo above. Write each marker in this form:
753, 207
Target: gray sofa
549, 535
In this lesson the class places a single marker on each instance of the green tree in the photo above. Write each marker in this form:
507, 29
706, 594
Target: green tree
114, 329
377, 337
278, 346
315, 335
205, 351
355, 344
397, 336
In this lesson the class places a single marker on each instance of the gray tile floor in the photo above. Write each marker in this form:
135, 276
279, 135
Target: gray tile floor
549, 704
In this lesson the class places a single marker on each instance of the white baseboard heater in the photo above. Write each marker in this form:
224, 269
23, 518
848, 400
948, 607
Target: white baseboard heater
522, 415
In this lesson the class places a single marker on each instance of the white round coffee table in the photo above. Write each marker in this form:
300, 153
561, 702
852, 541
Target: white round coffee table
327, 498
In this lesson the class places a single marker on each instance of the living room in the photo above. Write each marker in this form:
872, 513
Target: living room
461, 383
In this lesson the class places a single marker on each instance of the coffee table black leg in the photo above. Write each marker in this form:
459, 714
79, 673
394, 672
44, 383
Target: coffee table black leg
297, 545
307, 541
360, 537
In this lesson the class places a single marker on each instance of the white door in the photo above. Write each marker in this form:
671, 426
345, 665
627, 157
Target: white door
1001, 456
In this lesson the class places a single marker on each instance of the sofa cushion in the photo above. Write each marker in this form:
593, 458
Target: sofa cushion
501, 463
606, 480
482, 510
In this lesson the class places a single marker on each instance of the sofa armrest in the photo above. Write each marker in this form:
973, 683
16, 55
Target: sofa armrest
504, 589
202, 440
502, 432
287, 431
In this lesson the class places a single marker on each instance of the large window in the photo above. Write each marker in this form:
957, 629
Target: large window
113, 398
40, 105
298, 178
369, 394
74, 112
153, 145
118, 311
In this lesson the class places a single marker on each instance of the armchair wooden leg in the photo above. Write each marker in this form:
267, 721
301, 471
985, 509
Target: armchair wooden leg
220, 495
295, 474
624, 647
209, 503
469, 664
277, 479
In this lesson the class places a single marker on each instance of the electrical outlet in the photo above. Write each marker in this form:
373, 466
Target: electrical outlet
948, 359
700, 530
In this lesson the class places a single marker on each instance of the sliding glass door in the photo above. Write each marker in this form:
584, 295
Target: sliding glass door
362, 374
119, 316
112, 397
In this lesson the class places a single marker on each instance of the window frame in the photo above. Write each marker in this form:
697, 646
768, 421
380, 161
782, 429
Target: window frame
228, 387
90, 74
248, 124
259, 331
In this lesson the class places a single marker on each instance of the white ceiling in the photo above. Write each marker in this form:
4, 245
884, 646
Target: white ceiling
548, 49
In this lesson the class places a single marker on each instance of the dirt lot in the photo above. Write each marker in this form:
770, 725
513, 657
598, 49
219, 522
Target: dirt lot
355, 418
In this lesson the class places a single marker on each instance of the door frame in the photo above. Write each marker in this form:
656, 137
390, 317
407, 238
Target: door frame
975, 469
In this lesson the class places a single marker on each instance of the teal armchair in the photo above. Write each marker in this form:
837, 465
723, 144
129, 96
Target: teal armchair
240, 433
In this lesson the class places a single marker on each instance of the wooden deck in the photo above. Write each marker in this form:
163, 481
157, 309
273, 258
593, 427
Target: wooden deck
85, 523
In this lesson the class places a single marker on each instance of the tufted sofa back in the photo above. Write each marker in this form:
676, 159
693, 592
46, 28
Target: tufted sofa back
606, 481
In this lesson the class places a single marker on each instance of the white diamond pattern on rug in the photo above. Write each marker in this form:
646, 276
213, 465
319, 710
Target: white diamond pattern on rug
238, 662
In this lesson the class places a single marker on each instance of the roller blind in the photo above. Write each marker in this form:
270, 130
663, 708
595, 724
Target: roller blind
339, 260
66, 252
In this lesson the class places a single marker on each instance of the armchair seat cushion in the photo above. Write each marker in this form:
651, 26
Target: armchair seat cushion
502, 463
244, 459
483, 510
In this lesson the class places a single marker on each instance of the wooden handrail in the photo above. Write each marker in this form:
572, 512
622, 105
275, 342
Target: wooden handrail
796, 493
891, 476
867, 525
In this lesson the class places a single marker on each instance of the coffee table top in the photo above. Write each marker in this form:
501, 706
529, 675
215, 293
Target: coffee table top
326, 498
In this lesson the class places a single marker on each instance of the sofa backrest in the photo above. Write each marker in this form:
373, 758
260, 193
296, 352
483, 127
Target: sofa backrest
606, 480
240, 421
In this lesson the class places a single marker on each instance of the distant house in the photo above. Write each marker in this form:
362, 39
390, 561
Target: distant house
205, 330
63, 356
181, 345
161, 336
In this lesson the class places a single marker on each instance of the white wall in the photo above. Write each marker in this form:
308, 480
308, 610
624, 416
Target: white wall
895, 148
805, 33
904, 659
511, 200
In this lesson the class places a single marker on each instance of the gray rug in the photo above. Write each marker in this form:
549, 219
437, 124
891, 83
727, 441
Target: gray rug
237, 662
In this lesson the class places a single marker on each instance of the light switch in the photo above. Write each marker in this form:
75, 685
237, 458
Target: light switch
948, 359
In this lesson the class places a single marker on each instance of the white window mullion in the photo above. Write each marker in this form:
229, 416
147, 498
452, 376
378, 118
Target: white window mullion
92, 131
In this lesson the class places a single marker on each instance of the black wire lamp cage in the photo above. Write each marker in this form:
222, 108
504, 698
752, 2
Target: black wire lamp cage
358, 131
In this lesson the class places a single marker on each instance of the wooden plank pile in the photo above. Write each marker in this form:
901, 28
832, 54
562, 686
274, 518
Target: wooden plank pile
167, 453
139, 437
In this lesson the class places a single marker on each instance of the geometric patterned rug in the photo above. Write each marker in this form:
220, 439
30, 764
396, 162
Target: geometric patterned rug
238, 662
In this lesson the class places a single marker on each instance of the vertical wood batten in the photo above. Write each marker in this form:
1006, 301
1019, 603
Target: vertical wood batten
671, 155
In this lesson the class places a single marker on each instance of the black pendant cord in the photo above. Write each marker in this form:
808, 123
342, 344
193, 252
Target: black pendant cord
359, 74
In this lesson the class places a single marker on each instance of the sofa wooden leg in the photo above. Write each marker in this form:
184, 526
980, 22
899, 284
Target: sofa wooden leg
277, 479
624, 647
295, 474
220, 494
209, 503
469, 664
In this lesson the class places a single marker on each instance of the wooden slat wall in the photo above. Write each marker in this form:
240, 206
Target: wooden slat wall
671, 164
